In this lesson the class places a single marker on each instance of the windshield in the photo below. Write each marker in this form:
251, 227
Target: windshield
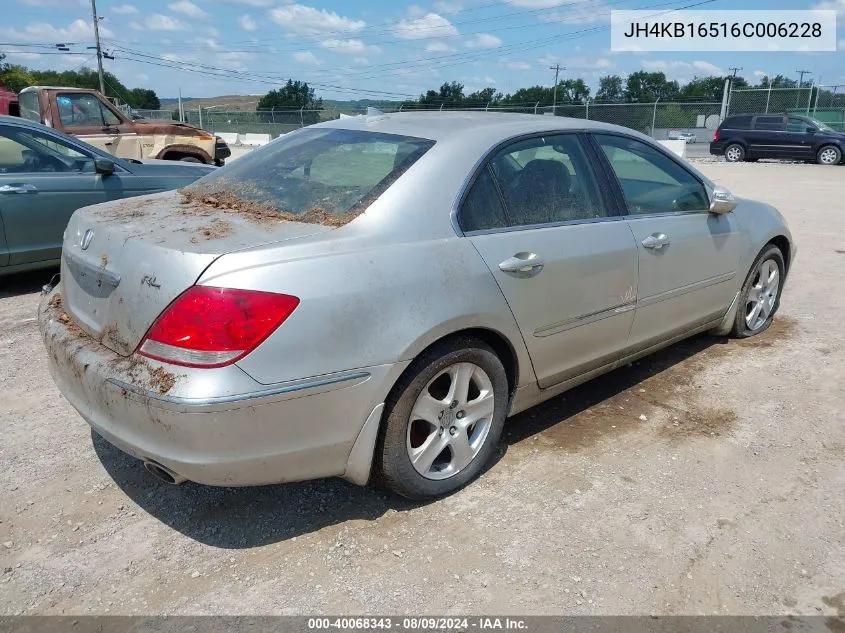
319, 175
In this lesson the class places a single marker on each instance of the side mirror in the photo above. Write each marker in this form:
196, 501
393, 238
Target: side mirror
103, 166
722, 201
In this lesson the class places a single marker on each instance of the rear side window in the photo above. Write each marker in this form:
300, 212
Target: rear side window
482, 208
28, 102
769, 123
737, 123
314, 175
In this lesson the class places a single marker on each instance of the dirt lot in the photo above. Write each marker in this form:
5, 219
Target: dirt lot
706, 479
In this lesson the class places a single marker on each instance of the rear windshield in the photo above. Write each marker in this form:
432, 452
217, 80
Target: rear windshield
319, 175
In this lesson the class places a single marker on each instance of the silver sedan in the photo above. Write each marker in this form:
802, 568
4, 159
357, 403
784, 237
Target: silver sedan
371, 297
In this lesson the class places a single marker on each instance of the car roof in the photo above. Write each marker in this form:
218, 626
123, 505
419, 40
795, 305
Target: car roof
36, 88
492, 126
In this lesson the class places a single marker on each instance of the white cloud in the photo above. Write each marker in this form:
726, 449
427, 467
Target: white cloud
255, 3
46, 32
348, 46
124, 9
707, 67
159, 22
517, 65
536, 4
448, 6
760, 73
307, 57
247, 23
53, 3
835, 5
431, 25
361, 61
484, 40
439, 47
303, 20
188, 8
206, 43
234, 59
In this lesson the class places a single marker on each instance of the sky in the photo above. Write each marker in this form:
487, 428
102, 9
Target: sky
376, 49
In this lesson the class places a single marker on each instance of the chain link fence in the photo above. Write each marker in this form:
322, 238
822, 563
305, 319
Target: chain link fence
825, 103
660, 120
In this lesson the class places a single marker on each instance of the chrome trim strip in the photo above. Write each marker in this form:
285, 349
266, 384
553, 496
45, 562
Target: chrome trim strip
677, 292
584, 319
548, 225
273, 391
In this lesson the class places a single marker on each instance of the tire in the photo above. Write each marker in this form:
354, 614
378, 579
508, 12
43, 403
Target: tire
421, 417
829, 155
734, 153
769, 260
190, 159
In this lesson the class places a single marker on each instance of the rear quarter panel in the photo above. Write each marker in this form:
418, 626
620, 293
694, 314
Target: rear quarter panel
370, 306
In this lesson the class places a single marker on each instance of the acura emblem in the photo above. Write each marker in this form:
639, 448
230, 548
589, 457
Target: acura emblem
86, 239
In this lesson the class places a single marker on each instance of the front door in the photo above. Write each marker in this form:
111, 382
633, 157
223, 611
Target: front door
564, 260
688, 257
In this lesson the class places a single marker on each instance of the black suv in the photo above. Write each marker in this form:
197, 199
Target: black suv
752, 136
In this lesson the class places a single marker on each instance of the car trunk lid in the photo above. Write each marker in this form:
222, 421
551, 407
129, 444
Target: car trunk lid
124, 262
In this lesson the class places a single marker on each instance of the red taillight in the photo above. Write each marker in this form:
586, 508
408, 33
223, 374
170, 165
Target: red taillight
213, 327
715, 136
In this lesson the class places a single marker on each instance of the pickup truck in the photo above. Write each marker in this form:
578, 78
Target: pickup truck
88, 115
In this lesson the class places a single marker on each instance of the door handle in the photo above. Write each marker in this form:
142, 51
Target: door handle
522, 263
656, 241
26, 188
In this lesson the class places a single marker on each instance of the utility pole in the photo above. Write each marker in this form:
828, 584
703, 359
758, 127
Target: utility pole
736, 70
99, 48
801, 74
557, 68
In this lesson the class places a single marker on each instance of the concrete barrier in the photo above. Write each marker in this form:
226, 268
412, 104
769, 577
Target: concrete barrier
255, 140
678, 148
231, 138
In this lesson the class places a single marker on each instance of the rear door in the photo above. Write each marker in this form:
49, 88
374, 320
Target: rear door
562, 256
43, 180
687, 257
82, 114
767, 139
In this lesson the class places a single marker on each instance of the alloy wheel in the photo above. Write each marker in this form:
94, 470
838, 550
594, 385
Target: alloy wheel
450, 421
828, 156
762, 295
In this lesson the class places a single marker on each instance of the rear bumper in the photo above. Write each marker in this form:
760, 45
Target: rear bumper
717, 149
286, 432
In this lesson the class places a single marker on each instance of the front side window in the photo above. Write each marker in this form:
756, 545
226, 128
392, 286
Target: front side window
84, 110
651, 181
314, 175
545, 180
26, 151
797, 125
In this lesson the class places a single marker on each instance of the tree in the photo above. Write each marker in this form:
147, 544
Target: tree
451, 94
15, 78
144, 99
293, 95
611, 89
778, 81
572, 90
526, 96
645, 87
486, 95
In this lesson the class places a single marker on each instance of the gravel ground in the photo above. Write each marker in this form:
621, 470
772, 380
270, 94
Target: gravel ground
705, 479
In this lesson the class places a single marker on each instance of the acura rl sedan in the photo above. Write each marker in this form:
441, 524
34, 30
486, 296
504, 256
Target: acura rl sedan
372, 297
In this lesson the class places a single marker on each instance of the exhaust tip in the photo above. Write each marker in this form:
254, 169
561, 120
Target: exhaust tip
163, 473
